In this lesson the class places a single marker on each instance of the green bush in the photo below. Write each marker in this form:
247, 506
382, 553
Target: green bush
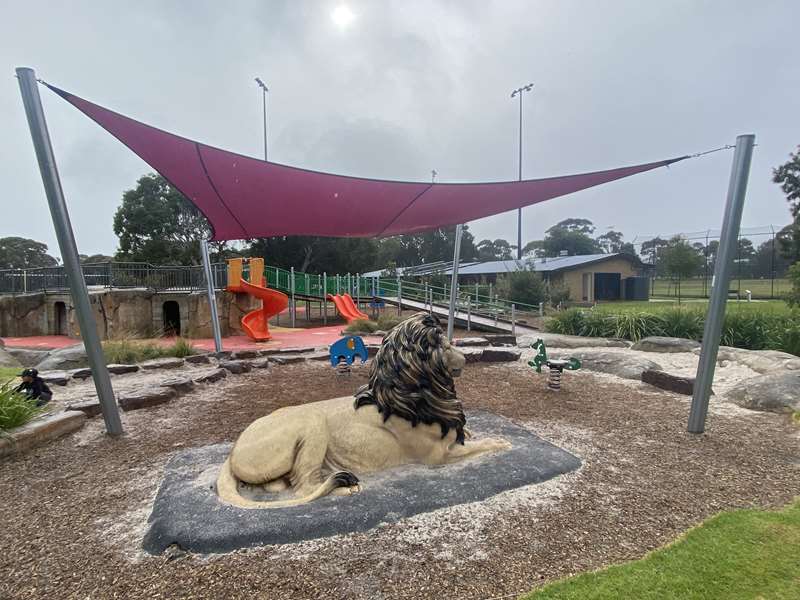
753, 331
597, 324
793, 297
681, 323
567, 322
15, 409
387, 320
635, 326
128, 351
556, 294
526, 287
361, 326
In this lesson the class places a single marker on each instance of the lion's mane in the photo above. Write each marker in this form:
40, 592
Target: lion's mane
409, 378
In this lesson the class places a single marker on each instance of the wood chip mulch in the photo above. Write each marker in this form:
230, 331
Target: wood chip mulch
72, 513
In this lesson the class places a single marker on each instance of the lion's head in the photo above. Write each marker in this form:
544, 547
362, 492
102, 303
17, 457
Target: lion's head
412, 376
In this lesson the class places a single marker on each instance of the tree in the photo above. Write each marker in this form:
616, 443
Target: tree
680, 260
768, 262
653, 251
498, 249
787, 176
94, 259
533, 249
572, 236
610, 242
22, 253
157, 224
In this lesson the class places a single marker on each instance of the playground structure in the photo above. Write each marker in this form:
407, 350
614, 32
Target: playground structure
256, 322
347, 308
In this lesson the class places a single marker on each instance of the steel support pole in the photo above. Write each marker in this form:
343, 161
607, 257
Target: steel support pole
451, 313
68, 248
293, 310
212, 297
737, 188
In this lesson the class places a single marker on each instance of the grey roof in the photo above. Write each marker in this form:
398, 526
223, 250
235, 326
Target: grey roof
542, 265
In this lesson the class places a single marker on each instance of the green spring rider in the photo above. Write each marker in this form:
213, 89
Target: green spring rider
556, 366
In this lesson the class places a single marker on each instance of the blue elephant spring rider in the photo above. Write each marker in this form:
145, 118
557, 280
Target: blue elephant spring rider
344, 352
556, 366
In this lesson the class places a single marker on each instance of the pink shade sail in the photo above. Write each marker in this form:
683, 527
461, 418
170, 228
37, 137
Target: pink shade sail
243, 197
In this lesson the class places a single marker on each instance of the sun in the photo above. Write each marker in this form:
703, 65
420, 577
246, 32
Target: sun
342, 16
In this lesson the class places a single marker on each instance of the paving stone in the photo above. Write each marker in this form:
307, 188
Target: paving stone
473, 354
211, 376
145, 398
237, 367
501, 339
286, 360
197, 359
40, 431
162, 363
671, 383
81, 373
495, 354
55, 377
182, 385
240, 354
470, 341
122, 369
91, 408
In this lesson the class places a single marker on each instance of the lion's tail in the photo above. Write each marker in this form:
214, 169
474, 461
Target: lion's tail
228, 489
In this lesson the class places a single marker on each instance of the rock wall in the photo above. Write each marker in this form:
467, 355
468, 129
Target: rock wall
122, 313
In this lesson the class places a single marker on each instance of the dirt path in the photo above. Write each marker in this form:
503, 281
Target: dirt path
72, 513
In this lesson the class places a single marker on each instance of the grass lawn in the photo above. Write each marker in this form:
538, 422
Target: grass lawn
738, 554
761, 288
7, 373
655, 306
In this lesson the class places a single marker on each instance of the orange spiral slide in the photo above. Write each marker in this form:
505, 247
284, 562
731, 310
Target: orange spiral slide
256, 322
346, 307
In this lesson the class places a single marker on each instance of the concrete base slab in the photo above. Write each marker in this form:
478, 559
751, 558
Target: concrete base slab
187, 512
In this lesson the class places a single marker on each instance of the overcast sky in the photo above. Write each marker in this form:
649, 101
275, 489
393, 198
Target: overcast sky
407, 87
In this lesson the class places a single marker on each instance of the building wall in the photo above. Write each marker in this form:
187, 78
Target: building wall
573, 278
123, 313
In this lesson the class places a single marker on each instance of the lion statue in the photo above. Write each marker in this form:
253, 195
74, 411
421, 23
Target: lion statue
407, 413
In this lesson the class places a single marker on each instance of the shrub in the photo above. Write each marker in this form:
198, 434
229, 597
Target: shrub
128, 351
361, 326
635, 326
181, 348
681, 323
526, 287
788, 337
387, 321
598, 324
568, 322
558, 294
793, 297
15, 409
753, 331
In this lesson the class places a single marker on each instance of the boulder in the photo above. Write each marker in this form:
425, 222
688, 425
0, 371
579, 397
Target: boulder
197, 359
260, 363
64, 359
472, 354
55, 377
222, 355
27, 356
91, 408
493, 354
211, 376
237, 367
621, 364
146, 398
241, 354
7, 360
556, 340
40, 431
501, 339
320, 356
162, 363
659, 343
775, 392
122, 369
182, 385
284, 351
470, 341
671, 383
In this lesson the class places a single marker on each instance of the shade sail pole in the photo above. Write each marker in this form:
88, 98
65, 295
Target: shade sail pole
68, 248
451, 313
212, 296
737, 187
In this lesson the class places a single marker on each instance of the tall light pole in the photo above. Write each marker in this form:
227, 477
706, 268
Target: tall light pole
264, 90
518, 92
